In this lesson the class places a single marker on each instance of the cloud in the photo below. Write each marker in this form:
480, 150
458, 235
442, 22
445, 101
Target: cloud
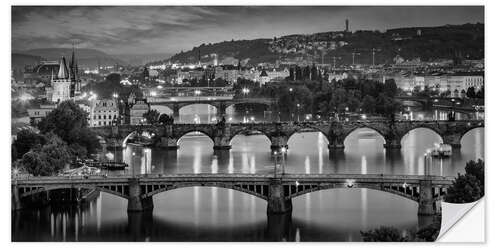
141, 29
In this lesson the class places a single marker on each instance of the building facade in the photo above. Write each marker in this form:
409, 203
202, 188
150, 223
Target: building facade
137, 111
104, 112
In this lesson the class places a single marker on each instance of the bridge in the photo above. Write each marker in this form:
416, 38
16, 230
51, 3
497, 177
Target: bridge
220, 103
278, 191
278, 133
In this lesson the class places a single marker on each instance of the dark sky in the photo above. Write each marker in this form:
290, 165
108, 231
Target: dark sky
155, 29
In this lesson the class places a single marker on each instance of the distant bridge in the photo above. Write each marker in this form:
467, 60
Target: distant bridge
277, 191
168, 136
175, 103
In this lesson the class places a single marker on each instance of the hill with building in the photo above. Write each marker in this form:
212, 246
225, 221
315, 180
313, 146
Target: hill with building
455, 42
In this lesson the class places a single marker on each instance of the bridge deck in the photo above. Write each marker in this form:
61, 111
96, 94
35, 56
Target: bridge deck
253, 178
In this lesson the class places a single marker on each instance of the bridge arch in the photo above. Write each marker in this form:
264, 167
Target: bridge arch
308, 128
163, 109
260, 191
407, 192
368, 128
120, 192
469, 131
248, 130
422, 128
191, 131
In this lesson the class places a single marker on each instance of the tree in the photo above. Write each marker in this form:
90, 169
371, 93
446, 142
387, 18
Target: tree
152, 116
471, 92
469, 187
86, 138
25, 141
63, 119
430, 232
368, 104
385, 234
48, 159
164, 119
390, 88
69, 122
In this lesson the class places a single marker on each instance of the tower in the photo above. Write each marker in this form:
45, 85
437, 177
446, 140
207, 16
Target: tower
73, 71
347, 25
61, 85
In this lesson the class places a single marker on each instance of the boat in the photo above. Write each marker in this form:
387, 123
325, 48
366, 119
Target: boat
108, 165
84, 170
441, 150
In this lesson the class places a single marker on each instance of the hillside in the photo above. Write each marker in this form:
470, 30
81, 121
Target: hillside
87, 58
427, 43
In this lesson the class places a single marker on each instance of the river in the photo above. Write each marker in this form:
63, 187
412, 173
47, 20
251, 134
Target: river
217, 214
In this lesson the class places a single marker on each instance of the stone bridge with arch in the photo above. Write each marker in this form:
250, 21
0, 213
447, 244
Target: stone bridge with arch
278, 191
278, 133
220, 104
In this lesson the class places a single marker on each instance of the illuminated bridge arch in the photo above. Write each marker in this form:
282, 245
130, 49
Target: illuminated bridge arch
426, 127
184, 133
237, 132
257, 190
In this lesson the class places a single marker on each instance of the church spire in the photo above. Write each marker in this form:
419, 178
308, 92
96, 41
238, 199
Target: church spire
63, 71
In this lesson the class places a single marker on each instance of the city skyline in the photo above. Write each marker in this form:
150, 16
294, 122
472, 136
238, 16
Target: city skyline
168, 29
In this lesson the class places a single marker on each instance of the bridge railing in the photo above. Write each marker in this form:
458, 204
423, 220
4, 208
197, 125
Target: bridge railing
285, 177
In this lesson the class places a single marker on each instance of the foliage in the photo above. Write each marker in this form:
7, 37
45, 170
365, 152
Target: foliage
47, 159
449, 41
165, 119
25, 141
69, 122
469, 187
152, 116
385, 234
430, 232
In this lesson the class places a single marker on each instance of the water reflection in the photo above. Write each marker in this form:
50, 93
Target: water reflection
216, 214
308, 153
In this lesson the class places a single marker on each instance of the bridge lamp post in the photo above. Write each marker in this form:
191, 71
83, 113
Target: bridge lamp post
298, 112
283, 162
275, 154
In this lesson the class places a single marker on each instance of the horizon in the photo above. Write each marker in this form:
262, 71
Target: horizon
171, 29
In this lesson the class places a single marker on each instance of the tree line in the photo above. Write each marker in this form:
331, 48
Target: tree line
319, 97
63, 138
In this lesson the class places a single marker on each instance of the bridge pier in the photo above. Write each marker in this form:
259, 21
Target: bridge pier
336, 147
426, 203
168, 143
221, 110
277, 143
277, 203
453, 140
16, 199
279, 226
221, 143
392, 144
135, 202
176, 113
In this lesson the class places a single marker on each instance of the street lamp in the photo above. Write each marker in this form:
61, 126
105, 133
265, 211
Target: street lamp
298, 112
283, 162
246, 91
